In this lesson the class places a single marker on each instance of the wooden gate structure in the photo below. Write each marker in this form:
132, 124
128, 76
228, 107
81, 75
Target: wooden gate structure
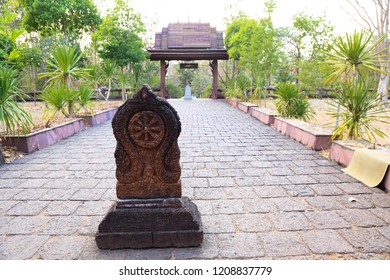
188, 42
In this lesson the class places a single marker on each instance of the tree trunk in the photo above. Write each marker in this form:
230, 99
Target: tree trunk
123, 87
2, 160
383, 86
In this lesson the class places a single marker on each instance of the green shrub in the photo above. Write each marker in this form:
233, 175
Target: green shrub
291, 103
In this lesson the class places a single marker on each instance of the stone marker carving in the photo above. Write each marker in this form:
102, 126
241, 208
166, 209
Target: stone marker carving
150, 211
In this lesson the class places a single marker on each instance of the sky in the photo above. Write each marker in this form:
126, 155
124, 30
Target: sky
215, 11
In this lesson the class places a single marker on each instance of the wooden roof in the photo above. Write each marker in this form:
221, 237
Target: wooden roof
188, 41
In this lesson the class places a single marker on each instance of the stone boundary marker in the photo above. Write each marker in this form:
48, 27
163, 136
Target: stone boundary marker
150, 211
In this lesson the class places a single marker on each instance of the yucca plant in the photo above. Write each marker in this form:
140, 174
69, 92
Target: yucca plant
60, 100
360, 108
84, 100
292, 103
352, 55
12, 115
63, 67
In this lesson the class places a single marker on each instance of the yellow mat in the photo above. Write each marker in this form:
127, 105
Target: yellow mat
368, 166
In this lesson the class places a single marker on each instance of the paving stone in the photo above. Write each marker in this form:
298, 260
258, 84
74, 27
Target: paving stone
288, 204
355, 202
21, 247
24, 225
205, 207
239, 192
208, 250
354, 188
30, 194
62, 225
218, 224
289, 221
326, 189
6, 205
326, 242
240, 245
270, 191
275, 180
62, 248
27, 208
367, 239
326, 220
299, 190
380, 199
253, 222
385, 231
259, 205
325, 202
194, 182
205, 173
93, 208
228, 207
302, 179
88, 194
62, 208
92, 252
221, 182
209, 193
8, 193
382, 213
283, 244
361, 218
89, 225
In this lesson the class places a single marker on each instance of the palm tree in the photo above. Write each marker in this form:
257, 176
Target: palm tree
351, 56
63, 67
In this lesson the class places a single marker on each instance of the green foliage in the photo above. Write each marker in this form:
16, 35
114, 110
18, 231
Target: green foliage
84, 98
360, 109
174, 90
60, 16
9, 53
66, 101
117, 38
354, 55
291, 103
12, 116
60, 100
63, 67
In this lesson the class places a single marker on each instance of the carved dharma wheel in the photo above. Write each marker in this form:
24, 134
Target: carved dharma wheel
146, 129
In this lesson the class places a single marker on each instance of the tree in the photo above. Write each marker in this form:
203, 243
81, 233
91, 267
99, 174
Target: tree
308, 39
69, 17
378, 22
8, 35
118, 38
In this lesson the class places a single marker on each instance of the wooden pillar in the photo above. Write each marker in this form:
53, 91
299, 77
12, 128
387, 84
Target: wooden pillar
215, 79
163, 72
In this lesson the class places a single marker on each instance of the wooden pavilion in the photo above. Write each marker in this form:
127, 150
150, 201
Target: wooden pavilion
188, 42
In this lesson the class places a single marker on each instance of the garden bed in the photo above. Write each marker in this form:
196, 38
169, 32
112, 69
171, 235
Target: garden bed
40, 139
264, 115
245, 106
99, 117
315, 137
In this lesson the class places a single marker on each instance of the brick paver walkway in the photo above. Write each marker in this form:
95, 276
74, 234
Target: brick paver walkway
261, 195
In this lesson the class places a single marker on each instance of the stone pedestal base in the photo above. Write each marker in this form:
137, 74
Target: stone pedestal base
151, 223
